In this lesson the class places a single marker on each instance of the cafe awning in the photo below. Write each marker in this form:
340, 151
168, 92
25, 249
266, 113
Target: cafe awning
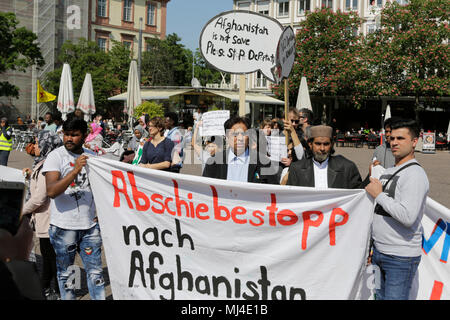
159, 94
251, 97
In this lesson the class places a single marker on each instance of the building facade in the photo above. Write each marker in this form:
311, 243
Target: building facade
56, 21
122, 20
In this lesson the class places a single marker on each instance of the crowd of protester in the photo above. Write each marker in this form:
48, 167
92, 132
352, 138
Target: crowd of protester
58, 178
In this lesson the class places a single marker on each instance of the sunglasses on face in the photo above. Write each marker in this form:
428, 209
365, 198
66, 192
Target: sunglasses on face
295, 121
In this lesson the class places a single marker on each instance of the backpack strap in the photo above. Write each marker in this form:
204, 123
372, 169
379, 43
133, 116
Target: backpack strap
379, 209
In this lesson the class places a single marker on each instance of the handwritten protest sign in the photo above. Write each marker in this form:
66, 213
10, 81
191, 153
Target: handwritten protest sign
276, 147
241, 42
212, 123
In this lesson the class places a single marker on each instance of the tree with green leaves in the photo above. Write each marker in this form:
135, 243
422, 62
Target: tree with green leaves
328, 54
19, 51
109, 71
409, 53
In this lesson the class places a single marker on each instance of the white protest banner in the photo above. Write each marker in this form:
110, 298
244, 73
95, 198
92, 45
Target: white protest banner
212, 123
276, 147
175, 236
433, 276
241, 42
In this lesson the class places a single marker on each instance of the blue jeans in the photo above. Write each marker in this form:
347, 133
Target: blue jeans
4, 155
89, 244
397, 274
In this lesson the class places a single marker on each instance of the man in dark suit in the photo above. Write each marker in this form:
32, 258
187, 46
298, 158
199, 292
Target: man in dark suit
240, 160
323, 170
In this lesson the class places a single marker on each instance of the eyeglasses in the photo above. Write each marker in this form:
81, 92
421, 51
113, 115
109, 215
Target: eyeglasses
237, 133
295, 121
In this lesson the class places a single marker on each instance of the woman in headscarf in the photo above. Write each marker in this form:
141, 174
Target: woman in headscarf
137, 139
94, 140
39, 206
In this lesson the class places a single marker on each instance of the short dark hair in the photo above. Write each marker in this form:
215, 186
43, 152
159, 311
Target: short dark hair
126, 153
173, 116
309, 114
75, 124
232, 121
389, 121
410, 124
51, 114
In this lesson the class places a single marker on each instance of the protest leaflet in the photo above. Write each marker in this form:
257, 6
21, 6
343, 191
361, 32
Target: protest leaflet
212, 123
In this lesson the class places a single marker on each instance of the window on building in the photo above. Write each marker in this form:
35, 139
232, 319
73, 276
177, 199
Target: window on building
402, 2
261, 81
127, 10
127, 44
101, 8
378, 3
327, 4
263, 7
243, 5
151, 14
351, 5
371, 28
102, 43
283, 8
303, 6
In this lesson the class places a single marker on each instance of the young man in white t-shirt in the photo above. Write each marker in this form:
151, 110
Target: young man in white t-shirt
73, 222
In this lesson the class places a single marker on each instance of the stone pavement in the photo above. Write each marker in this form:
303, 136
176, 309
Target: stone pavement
437, 167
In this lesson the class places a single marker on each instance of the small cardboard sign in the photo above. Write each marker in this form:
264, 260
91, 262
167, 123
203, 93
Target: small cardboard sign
212, 123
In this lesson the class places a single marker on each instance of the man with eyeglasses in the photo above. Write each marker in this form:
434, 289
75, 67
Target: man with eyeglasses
240, 160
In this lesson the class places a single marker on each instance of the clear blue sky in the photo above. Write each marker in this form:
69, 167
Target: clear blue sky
187, 18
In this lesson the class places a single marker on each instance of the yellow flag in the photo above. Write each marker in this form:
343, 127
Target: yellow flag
42, 95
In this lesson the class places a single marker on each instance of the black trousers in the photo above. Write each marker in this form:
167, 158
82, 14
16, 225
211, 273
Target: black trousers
49, 263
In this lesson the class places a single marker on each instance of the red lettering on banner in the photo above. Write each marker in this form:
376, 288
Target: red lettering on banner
119, 175
291, 217
272, 209
218, 209
259, 215
437, 290
201, 208
138, 195
155, 197
238, 211
334, 224
307, 223
191, 206
179, 202
166, 206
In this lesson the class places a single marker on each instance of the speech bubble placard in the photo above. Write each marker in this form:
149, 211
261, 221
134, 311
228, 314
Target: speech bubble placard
241, 42
285, 55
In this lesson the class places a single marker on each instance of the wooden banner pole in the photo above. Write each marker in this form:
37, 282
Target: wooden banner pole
242, 95
286, 108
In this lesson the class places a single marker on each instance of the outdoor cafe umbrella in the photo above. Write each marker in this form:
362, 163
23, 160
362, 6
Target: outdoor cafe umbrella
65, 95
86, 101
448, 131
303, 100
387, 115
133, 90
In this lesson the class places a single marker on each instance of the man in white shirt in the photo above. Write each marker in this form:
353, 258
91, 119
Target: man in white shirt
323, 170
73, 222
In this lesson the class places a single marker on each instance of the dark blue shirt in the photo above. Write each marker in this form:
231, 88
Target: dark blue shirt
162, 152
